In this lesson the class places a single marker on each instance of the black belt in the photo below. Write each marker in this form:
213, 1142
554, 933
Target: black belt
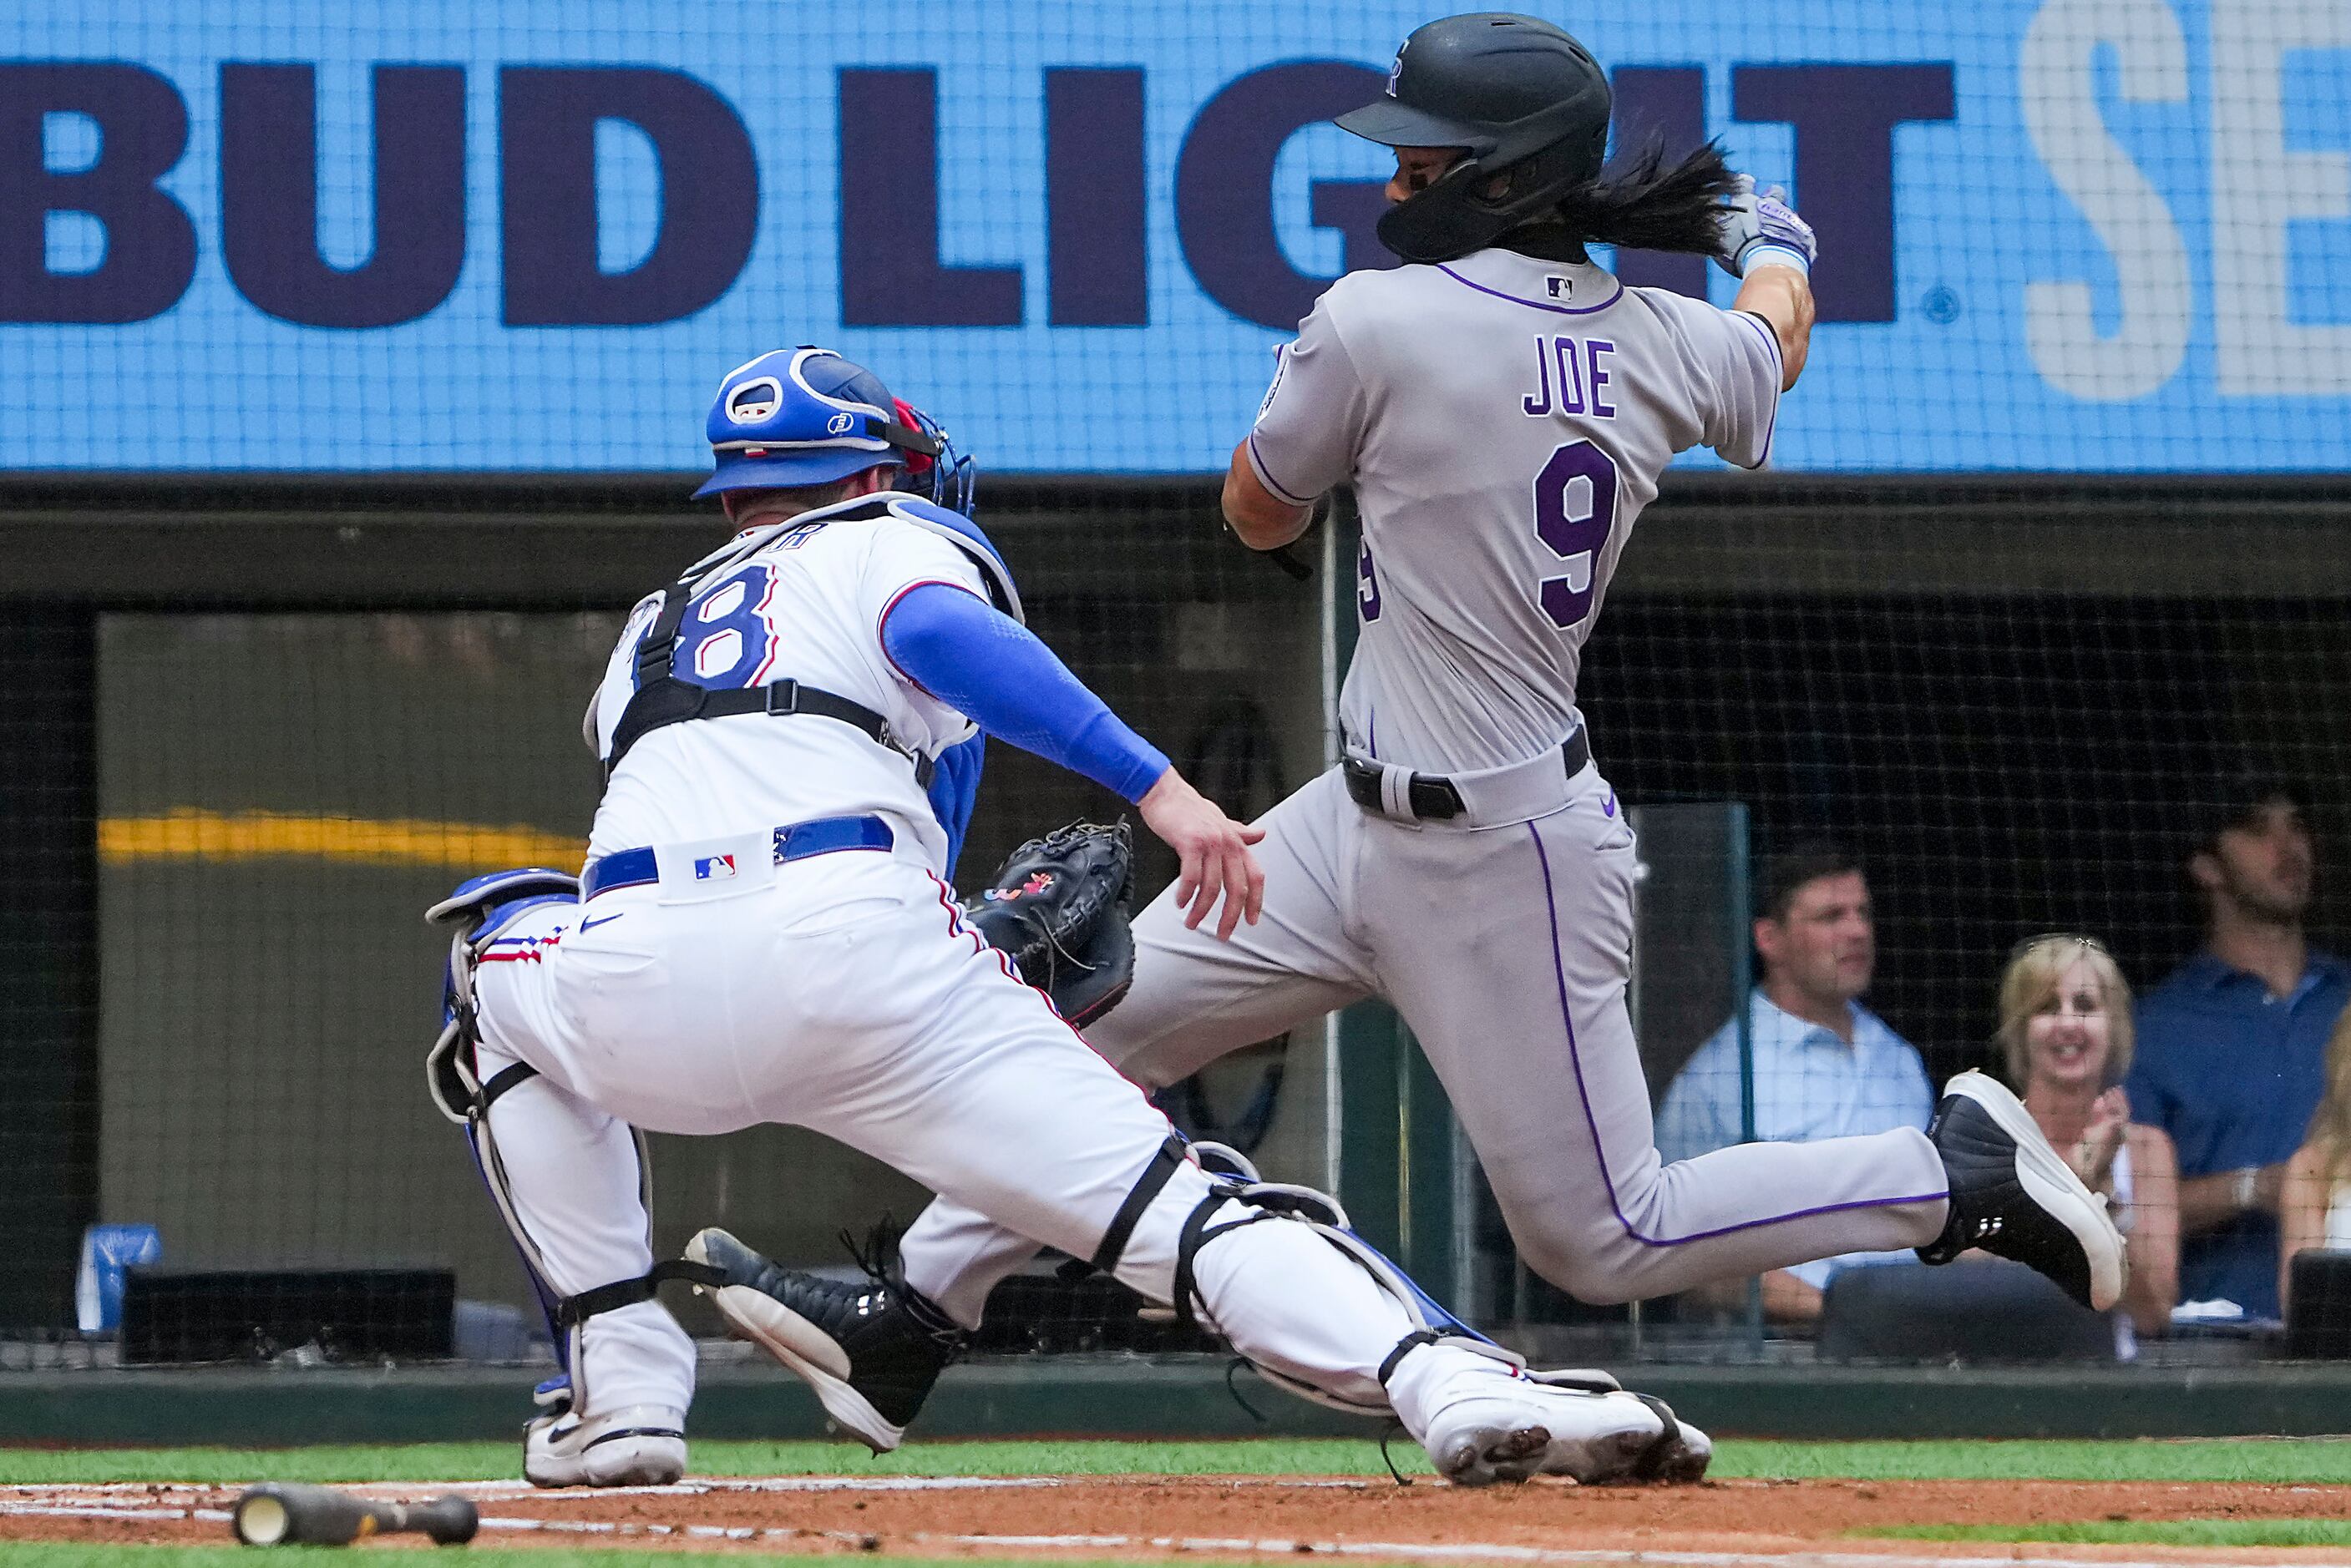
1432, 797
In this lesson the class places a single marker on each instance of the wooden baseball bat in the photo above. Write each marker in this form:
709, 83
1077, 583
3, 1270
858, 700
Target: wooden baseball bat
281, 1513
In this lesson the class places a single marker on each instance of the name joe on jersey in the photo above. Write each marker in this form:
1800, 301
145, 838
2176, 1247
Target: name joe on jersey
1570, 379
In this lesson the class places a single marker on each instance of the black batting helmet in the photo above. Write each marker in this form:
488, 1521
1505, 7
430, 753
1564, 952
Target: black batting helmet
1527, 103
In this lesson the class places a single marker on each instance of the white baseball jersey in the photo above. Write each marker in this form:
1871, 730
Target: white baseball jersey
1504, 419
807, 605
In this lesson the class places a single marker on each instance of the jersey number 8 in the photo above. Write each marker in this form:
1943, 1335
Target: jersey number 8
1575, 511
726, 640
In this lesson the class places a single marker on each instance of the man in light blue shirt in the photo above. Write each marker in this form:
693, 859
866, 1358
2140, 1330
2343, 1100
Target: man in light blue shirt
1825, 1066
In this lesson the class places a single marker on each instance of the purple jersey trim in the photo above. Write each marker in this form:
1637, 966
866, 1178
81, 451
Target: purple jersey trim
1592, 1125
1535, 304
1779, 366
1770, 336
1257, 461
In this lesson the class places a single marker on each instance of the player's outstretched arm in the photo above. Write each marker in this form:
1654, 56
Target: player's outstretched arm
1260, 518
1766, 245
987, 665
1215, 850
1782, 297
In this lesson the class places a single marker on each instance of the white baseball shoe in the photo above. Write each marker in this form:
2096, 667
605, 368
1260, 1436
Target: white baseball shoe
638, 1445
1492, 1423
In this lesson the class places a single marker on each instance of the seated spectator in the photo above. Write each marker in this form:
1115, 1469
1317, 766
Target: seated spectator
2315, 1199
2231, 1047
1825, 1066
2065, 1035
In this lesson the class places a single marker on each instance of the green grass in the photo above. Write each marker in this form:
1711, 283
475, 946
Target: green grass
2299, 1460
2139, 1533
2315, 1461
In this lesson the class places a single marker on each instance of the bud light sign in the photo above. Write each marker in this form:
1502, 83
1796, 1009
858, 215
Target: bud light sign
2075, 234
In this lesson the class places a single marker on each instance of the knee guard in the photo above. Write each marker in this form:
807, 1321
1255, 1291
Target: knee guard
480, 908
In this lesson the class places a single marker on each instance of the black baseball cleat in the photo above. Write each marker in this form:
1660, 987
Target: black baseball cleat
2012, 1195
871, 1348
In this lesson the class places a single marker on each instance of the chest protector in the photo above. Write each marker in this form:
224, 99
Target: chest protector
662, 698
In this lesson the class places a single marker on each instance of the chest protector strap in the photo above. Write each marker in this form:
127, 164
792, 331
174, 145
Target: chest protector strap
662, 698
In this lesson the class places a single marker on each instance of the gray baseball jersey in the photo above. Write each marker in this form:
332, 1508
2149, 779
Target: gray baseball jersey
1504, 419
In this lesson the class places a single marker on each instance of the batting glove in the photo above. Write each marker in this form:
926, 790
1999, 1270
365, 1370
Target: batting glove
1763, 230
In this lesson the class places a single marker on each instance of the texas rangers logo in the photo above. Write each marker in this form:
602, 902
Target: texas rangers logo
712, 867
1039, 882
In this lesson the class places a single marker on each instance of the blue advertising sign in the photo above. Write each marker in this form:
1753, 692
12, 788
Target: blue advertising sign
532, 235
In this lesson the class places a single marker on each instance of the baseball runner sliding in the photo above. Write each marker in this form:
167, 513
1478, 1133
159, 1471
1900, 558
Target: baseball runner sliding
1503, 409
763, 932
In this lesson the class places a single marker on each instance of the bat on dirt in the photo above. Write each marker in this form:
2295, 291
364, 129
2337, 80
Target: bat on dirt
278, 1514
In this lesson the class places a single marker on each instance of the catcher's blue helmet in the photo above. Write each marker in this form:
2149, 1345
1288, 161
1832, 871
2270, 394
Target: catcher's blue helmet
806, 416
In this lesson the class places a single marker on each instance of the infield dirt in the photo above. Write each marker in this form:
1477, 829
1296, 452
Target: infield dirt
1156, 1517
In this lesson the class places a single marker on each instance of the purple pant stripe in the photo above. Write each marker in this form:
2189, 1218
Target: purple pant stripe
1591, 1124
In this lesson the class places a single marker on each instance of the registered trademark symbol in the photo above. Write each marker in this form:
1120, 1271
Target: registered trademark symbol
1942, 305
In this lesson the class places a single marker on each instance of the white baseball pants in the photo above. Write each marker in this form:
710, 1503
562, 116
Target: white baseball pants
843, 993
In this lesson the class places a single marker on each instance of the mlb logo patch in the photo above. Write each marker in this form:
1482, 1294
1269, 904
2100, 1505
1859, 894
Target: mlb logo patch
712, 867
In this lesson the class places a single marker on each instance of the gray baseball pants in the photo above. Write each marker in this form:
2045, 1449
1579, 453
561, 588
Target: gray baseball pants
1507, 948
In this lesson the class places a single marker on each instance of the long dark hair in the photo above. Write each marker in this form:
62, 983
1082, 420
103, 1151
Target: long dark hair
1642, 202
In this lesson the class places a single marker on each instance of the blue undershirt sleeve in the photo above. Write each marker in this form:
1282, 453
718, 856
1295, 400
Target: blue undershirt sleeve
987, 665
955, 786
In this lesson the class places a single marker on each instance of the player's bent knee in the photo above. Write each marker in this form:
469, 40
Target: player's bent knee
1582, 1272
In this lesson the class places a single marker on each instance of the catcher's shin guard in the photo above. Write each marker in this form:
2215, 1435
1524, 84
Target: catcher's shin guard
567, 1153
1209, 1206
481, 908
1304, 1321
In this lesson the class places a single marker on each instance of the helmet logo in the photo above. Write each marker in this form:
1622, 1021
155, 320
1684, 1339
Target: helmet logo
1396, 72
754, 401
839, 424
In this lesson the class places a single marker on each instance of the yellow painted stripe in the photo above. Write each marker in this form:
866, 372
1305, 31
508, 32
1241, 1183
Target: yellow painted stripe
189, 833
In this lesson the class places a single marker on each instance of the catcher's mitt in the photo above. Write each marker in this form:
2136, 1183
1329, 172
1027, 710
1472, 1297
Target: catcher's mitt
1059, 909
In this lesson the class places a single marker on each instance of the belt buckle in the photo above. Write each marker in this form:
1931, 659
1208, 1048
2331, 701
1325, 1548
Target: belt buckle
1444, 796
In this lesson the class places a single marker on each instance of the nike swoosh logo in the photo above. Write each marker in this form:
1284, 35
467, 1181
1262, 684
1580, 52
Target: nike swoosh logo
591, 925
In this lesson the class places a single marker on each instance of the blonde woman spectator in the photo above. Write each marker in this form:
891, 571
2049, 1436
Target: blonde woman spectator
2065, 1030
2316, 1199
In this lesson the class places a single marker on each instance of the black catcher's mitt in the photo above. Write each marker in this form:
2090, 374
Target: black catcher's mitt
1059, 909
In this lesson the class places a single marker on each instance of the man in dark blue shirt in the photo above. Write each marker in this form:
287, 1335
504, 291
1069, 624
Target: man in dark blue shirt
2232, 1048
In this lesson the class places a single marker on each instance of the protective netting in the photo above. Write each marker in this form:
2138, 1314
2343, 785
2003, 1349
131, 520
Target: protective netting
2051, 582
